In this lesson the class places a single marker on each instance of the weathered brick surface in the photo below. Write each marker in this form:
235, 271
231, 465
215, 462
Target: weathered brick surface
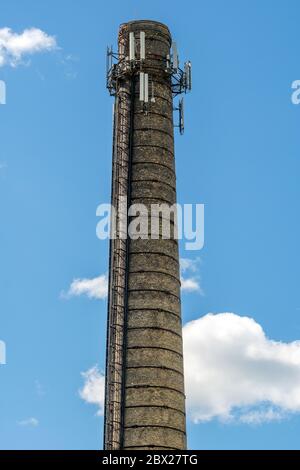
154, 389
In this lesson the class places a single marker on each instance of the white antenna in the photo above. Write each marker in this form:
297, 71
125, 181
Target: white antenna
108, 59
152, 92
146, 92
131, 46
168, 62
175, 56
113, 114
142, 86
188, 75
142, 45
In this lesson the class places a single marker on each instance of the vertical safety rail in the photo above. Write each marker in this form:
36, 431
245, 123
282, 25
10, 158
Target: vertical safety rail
118, 267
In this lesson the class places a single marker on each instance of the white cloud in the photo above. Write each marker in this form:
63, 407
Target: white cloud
39, 388
96, 288
234, 372
187, 264
93, 389
190, 283
30, 422
266, 415
15, 46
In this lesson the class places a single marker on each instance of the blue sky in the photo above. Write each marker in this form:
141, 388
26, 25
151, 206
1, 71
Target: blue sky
239, 156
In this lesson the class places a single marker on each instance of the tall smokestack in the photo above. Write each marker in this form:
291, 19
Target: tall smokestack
144, 401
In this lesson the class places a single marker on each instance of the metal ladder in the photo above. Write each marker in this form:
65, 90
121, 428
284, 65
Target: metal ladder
117, 299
